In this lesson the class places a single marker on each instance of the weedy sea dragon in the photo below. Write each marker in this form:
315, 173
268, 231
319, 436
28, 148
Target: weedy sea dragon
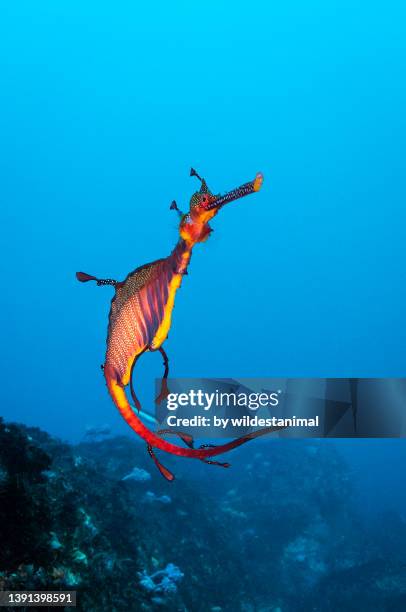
140, 318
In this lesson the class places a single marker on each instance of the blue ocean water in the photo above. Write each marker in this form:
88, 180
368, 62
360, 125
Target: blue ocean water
103, 109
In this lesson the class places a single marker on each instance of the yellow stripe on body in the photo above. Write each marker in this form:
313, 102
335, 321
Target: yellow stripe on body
163, 329
126, 378
165, 325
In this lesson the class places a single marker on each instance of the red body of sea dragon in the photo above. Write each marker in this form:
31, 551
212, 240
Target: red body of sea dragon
140, 318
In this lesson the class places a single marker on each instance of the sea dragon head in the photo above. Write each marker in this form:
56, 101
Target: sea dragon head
204, 205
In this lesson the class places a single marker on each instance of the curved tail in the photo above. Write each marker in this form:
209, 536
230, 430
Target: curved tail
153, 440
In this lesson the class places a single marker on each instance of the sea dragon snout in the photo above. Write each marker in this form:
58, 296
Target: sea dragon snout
238, 193
140, 318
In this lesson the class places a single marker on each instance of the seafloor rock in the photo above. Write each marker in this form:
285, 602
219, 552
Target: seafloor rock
276, 532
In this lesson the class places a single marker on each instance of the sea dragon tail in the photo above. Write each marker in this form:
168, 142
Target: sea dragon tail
153, 440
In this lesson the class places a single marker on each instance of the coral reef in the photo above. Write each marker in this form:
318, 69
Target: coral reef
162, 582
137, 475
151, 498
276, 533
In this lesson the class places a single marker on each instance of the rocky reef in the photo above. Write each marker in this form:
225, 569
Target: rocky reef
275, 533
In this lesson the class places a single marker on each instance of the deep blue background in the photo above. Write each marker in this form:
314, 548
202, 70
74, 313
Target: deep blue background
103, 109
